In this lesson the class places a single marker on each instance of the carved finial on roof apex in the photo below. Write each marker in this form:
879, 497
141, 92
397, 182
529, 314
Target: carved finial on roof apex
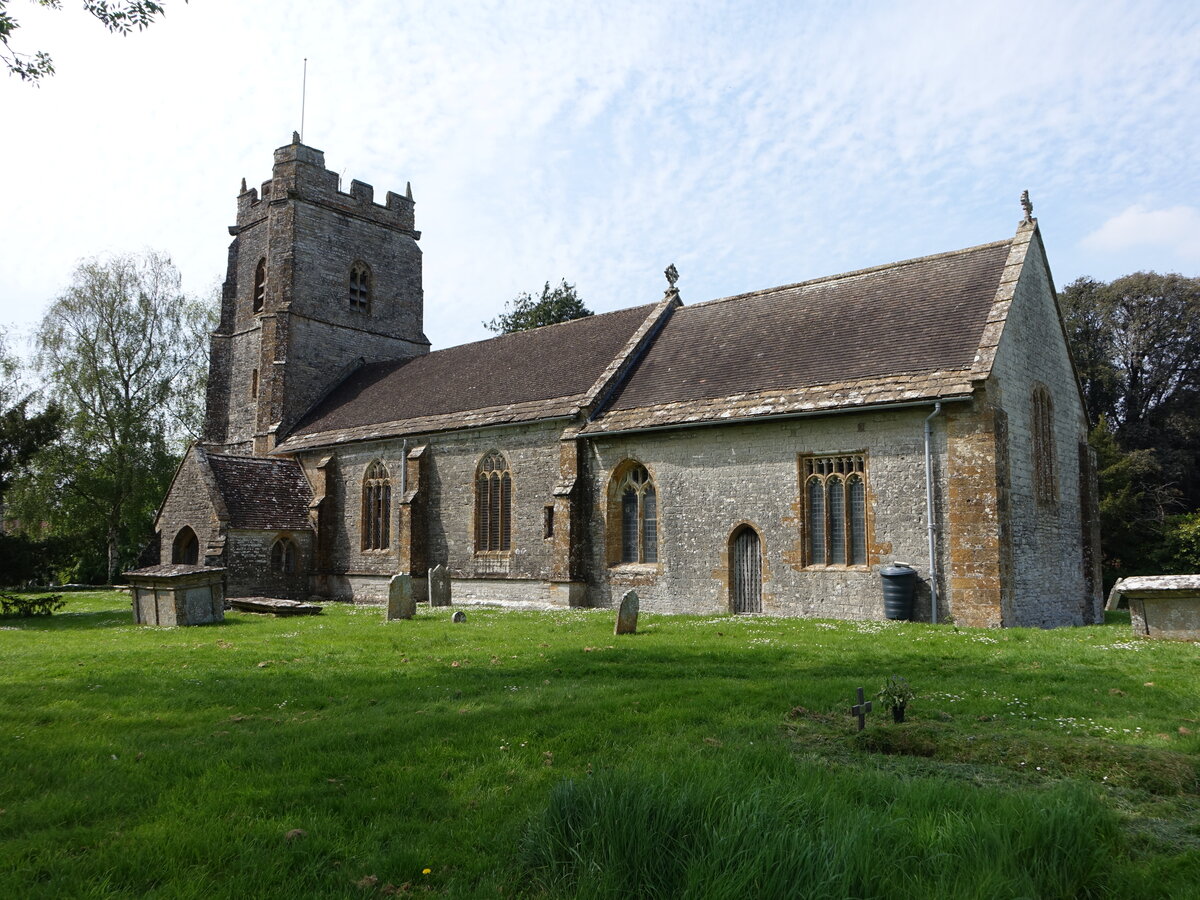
295, 137
408, 189
672, 274
1027, 205
243, 185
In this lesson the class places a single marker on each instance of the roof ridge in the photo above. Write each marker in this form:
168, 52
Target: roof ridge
242, 458
851, 274
541, 328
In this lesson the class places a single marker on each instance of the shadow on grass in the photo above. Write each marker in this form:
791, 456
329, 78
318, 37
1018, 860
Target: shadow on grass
83, 621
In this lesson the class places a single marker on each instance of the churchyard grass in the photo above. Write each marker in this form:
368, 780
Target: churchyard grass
538, 755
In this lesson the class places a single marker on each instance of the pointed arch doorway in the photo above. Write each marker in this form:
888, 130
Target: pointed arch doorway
745, 571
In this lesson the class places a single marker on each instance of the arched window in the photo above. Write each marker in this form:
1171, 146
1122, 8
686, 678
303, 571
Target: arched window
1045, 485
186, 549
835, 510
376, 508
360, 287
283, 556
260, 285
493, 504
634, 492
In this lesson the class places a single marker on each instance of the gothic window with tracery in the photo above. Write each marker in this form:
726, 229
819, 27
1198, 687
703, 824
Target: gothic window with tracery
377, 508
283, 556
835, 510
1045, 485
360, 287
493, 504
260, 285
638, 504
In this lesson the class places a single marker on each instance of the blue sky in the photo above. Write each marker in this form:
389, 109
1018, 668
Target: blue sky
751, 144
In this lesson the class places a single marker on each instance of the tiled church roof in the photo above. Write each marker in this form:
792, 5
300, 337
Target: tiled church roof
528, 375
908, 331
262, 493
903, 331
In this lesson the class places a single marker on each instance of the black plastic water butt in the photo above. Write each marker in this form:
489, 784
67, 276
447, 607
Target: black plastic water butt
899, 591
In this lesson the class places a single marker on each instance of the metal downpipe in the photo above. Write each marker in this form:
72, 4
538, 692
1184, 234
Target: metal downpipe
929, 513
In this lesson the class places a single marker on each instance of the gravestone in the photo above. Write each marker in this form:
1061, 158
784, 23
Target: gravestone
439, 586
459, 616
627, 615
401, 604
860, 709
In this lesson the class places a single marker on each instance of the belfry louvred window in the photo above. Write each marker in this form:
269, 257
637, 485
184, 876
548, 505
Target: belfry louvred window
260, 285
360, 287
835, 509
493, 504
377, 508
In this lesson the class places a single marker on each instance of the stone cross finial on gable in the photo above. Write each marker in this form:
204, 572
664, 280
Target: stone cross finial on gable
1027, 205
672, 276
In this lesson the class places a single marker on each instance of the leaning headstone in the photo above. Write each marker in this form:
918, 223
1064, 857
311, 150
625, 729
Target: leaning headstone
401, 604
439, 586
627, 614
459, 616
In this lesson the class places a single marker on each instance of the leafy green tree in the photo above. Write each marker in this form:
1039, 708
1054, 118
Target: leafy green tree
123, 350
1137, 351
118, 16
1136, 347
23, 432
559, 304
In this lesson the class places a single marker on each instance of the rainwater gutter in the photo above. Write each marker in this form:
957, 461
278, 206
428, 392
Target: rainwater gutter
773, 417
933, 571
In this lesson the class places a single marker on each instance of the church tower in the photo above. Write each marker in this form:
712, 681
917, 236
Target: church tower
318, 281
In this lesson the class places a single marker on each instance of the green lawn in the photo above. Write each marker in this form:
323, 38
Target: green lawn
535, 754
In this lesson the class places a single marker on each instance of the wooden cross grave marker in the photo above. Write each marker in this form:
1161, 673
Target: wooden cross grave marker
861, 709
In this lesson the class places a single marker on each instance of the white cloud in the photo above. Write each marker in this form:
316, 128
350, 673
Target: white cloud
751, 144
1175, 229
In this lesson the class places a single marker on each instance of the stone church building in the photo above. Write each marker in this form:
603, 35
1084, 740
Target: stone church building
767, 452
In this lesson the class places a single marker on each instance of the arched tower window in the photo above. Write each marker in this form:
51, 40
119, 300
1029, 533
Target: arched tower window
283, 556
376, 508
493, 504
1045, 485
360, 287
260, 285
634, 500
186, 548
835, 510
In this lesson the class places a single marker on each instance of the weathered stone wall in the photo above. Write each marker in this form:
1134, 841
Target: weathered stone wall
712, 480
974, 551
270, 366
189, 502
248, 567
1049, 582
447, 478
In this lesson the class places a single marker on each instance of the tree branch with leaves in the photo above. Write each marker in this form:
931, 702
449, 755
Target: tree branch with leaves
554, 305
118, 16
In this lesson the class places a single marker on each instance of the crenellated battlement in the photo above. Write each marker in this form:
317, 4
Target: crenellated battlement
299, 173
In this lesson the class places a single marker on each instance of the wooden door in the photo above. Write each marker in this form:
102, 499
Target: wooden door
745, 583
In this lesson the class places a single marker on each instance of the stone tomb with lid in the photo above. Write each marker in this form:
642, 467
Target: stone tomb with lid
178, 595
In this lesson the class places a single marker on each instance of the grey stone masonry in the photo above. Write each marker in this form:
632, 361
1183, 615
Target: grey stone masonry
285, 340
